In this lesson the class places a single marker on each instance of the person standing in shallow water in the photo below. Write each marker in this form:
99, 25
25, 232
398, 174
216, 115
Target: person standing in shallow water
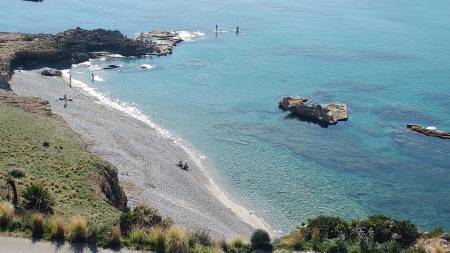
92, 77
237, 30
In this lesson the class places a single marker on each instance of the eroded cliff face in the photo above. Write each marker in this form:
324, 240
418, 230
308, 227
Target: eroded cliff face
69, 47
109, 185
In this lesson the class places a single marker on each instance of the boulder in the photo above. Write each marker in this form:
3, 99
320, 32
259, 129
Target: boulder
51, 72
429, 131
287, 102
112, 66
324, 115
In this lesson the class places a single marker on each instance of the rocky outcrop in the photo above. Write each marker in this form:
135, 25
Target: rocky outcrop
429, 131
51, 72
109, 184
163, 42
69, 47
324, 115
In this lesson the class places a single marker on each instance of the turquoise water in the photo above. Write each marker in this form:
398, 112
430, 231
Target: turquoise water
388, 60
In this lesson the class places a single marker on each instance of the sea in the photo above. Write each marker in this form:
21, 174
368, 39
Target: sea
218, 93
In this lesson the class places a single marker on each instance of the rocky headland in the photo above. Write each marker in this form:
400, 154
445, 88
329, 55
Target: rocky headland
75, 46
324, 115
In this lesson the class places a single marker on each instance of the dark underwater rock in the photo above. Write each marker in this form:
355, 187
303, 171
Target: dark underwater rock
429, 131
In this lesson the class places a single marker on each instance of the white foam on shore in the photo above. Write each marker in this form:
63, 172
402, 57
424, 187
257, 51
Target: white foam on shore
98, 78
189, 36
115, 56
132, 111
146, 66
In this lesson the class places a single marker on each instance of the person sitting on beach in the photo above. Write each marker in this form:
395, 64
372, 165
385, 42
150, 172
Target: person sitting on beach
185, 166
180, 164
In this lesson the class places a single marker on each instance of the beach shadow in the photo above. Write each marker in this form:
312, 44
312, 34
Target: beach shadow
5, 86
79, 247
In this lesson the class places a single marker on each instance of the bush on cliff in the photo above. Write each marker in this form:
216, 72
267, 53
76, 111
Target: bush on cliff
6, 213
55, 229
199, 237
37, 224
382, 229
260, 240
329, 227
78, 229
176, 240
157, 240
239, 246
142, 217
137, 238
37, 198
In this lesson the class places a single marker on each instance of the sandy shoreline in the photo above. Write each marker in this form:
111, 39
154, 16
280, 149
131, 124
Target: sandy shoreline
145, 159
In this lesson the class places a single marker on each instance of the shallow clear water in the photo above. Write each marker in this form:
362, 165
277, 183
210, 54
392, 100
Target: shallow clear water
388, 60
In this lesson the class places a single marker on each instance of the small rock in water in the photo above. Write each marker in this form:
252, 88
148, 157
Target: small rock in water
51, 72
429, 131
112, 66
146, 66
324, 115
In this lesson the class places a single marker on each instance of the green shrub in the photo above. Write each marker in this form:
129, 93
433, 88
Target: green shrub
140, 216
55, 228
37, 225
392, 247
329, 227
239, 246
99, 235
15, 224
16, 173
294, 241
176, 240
6, 213
334, 246
199, 236
260, 240
137, 238
37, 198
436, 232
381, 229
157, 240
78, 229
407, 233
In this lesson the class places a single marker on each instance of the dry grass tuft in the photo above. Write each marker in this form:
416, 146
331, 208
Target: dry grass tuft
78, 229
6, 213
177, 240
37, 225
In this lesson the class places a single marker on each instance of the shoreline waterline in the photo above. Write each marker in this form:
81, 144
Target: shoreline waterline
133, 112
200, 176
